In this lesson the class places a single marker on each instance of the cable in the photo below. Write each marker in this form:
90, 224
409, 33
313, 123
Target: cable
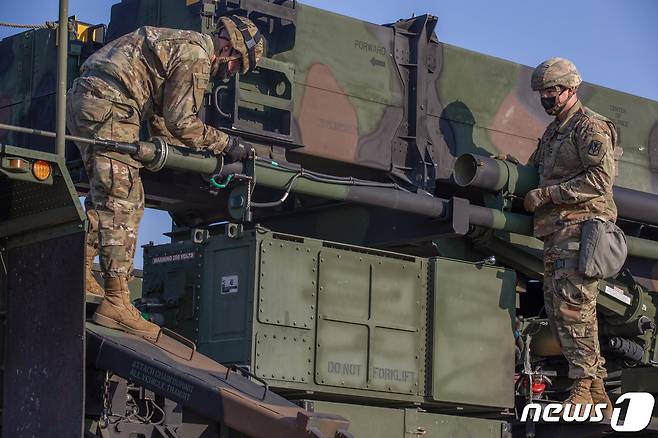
48, 25
320, 177
283, 198
162, 412
298, 172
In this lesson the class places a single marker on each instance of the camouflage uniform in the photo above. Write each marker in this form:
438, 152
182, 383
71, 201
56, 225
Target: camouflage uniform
115, 203
152, 74
575, 161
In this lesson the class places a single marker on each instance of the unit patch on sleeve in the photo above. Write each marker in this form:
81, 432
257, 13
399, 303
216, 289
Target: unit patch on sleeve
594, 148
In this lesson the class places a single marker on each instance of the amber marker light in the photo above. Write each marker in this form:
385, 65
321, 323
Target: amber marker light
41, 170
16, 164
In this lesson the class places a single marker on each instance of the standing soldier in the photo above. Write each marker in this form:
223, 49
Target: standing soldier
155, 75
575, 160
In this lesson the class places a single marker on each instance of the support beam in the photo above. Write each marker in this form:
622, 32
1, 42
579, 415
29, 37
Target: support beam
62, 53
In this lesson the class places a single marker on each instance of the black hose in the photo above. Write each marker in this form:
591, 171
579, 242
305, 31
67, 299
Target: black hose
626, 348
329, 179
283, 198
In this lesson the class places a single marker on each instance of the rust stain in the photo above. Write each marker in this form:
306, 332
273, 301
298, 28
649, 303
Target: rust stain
327, 120
513, 116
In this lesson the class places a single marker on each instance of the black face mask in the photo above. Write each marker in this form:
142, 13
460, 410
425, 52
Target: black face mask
551, 106
548, 102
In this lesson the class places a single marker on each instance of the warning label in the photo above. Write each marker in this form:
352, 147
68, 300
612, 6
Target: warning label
618, 293
171, 385
173, 258
230, 284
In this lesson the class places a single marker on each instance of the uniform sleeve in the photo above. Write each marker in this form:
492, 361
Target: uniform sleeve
188, 76
157, 128
595, 147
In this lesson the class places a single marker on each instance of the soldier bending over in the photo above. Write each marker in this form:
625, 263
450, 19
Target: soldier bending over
156, 75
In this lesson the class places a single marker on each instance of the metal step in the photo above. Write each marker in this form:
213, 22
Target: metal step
172, 368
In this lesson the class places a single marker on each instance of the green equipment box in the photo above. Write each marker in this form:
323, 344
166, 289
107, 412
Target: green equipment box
345, 321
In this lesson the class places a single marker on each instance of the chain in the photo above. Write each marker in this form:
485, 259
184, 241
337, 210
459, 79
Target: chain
107, 408
2, 259
250, 190
252, 184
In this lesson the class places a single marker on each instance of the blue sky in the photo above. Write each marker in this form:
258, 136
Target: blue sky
613, 43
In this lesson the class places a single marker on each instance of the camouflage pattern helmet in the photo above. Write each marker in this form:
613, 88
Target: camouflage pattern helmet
555, 71
245, 38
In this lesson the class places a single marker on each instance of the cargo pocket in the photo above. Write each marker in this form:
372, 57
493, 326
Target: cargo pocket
574, 289
110, 179
122, 179
125, 123
587, 288
90, 116
116, 257
93, 109
112, 237
100, 180
584, 351
200, 85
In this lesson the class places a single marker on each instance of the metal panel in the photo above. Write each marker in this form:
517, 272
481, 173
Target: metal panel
344, 285
396, 304
639, 380
230, 310
365, 421
173, 275
230, 306
369, 308
45, 333
392, 302
370, 421
284, 356
394, 364
287, 283
342, 354
430, 425
226, 311
474, 308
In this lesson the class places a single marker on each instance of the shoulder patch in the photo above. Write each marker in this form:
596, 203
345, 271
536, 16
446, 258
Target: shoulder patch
594, 148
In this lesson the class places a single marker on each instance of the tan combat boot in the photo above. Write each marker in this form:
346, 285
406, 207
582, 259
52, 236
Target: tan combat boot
580, 393
599, 395
91, 285
117, 312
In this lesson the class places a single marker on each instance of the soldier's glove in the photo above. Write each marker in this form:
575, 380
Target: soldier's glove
508, 157
535, 198
235, 150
